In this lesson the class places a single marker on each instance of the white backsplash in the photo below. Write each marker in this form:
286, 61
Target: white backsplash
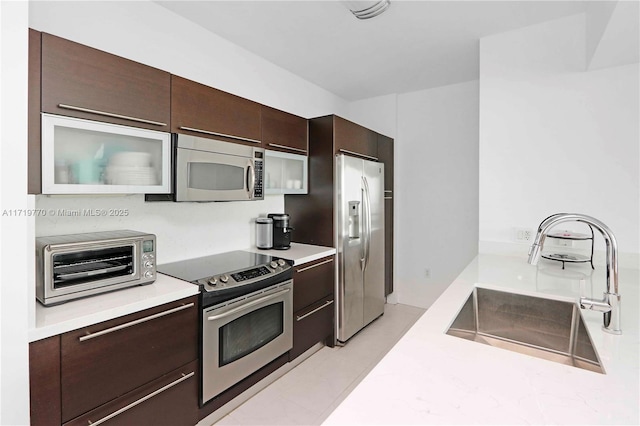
183, 230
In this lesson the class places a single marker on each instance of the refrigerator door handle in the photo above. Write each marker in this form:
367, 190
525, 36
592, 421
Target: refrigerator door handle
367, 205
363, 259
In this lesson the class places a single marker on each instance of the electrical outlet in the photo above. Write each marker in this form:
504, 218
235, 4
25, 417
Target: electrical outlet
523, 235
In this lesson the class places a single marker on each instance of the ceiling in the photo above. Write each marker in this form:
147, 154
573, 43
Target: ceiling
414, 45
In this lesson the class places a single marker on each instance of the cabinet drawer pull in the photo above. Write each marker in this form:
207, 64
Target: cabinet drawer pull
313, 266
388, 190
207, 132
111, 114
248, 305
287, 147
143, 399
327, 303
132, 323
388, 198
346, 151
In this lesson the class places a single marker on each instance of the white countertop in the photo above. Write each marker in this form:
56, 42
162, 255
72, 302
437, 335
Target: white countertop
299, 253
433, 378
80, 313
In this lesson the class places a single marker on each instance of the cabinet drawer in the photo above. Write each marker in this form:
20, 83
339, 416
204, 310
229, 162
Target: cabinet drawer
284, 132
201, 110
102, 362
83, 82
312, 281
171, 400
312, 325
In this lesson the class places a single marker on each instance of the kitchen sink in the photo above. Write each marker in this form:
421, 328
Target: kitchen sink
550, 329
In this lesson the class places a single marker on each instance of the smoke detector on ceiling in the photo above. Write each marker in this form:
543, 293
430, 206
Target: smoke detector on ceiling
367, 9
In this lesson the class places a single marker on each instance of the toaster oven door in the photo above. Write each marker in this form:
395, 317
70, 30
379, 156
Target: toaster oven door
84, 270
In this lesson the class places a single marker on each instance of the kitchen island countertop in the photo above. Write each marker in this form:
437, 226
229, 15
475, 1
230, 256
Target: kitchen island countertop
429, 377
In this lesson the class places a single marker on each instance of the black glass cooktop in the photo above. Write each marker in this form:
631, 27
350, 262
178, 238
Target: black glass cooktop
217, 264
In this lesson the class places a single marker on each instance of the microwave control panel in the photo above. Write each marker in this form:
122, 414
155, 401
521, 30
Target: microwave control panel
257, 189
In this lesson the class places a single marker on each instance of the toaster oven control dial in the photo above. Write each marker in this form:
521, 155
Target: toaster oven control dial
224, 278
148, 264
273, 264
148, 274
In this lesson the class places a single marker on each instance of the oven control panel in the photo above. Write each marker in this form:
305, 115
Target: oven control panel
245, 276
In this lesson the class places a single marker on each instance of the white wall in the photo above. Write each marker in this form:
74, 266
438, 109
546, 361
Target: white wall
15, 228
436, 189
379, 114
613, 34
597, 15
554, 138
149, 33
183, 230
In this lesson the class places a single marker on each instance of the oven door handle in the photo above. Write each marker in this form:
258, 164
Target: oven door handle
248, 305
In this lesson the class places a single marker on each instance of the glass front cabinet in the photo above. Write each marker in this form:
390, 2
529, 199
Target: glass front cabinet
285, 173
89, 157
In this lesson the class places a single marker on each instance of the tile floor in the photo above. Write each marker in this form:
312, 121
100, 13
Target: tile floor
307, 394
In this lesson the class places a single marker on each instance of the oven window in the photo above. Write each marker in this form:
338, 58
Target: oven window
250, 332
216, 177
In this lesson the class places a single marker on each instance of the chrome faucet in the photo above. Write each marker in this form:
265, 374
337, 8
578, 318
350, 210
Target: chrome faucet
610, 304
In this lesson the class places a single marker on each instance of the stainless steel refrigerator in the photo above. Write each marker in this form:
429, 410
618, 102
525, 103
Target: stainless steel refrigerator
359, 224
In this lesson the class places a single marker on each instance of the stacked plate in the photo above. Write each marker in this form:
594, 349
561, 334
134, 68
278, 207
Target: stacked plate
130, 168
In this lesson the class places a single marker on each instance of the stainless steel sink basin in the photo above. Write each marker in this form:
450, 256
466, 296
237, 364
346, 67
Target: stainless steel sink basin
550, 329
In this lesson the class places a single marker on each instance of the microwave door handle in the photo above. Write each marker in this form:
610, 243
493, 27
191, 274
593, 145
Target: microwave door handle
251, 179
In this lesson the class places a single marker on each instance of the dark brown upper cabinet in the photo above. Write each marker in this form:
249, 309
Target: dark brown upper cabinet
83, 82
34, 162
201, 110
351, 138
284, 132
385, 155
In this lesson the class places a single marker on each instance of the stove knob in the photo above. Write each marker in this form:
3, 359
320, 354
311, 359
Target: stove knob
213, 281
224, 278
273, 264
281, 262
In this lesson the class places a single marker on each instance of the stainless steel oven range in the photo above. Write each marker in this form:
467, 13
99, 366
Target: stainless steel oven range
246, 317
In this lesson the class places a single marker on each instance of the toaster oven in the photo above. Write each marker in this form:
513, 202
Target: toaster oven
79, 265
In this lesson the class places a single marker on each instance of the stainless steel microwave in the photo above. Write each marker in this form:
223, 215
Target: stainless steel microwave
212, 170
78, 265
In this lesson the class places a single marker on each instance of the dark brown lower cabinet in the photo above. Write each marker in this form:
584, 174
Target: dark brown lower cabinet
313, 305
44, 381
171, 400
140, 369
312, 325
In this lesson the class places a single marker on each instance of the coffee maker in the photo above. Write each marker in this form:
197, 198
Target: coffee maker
281, 231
